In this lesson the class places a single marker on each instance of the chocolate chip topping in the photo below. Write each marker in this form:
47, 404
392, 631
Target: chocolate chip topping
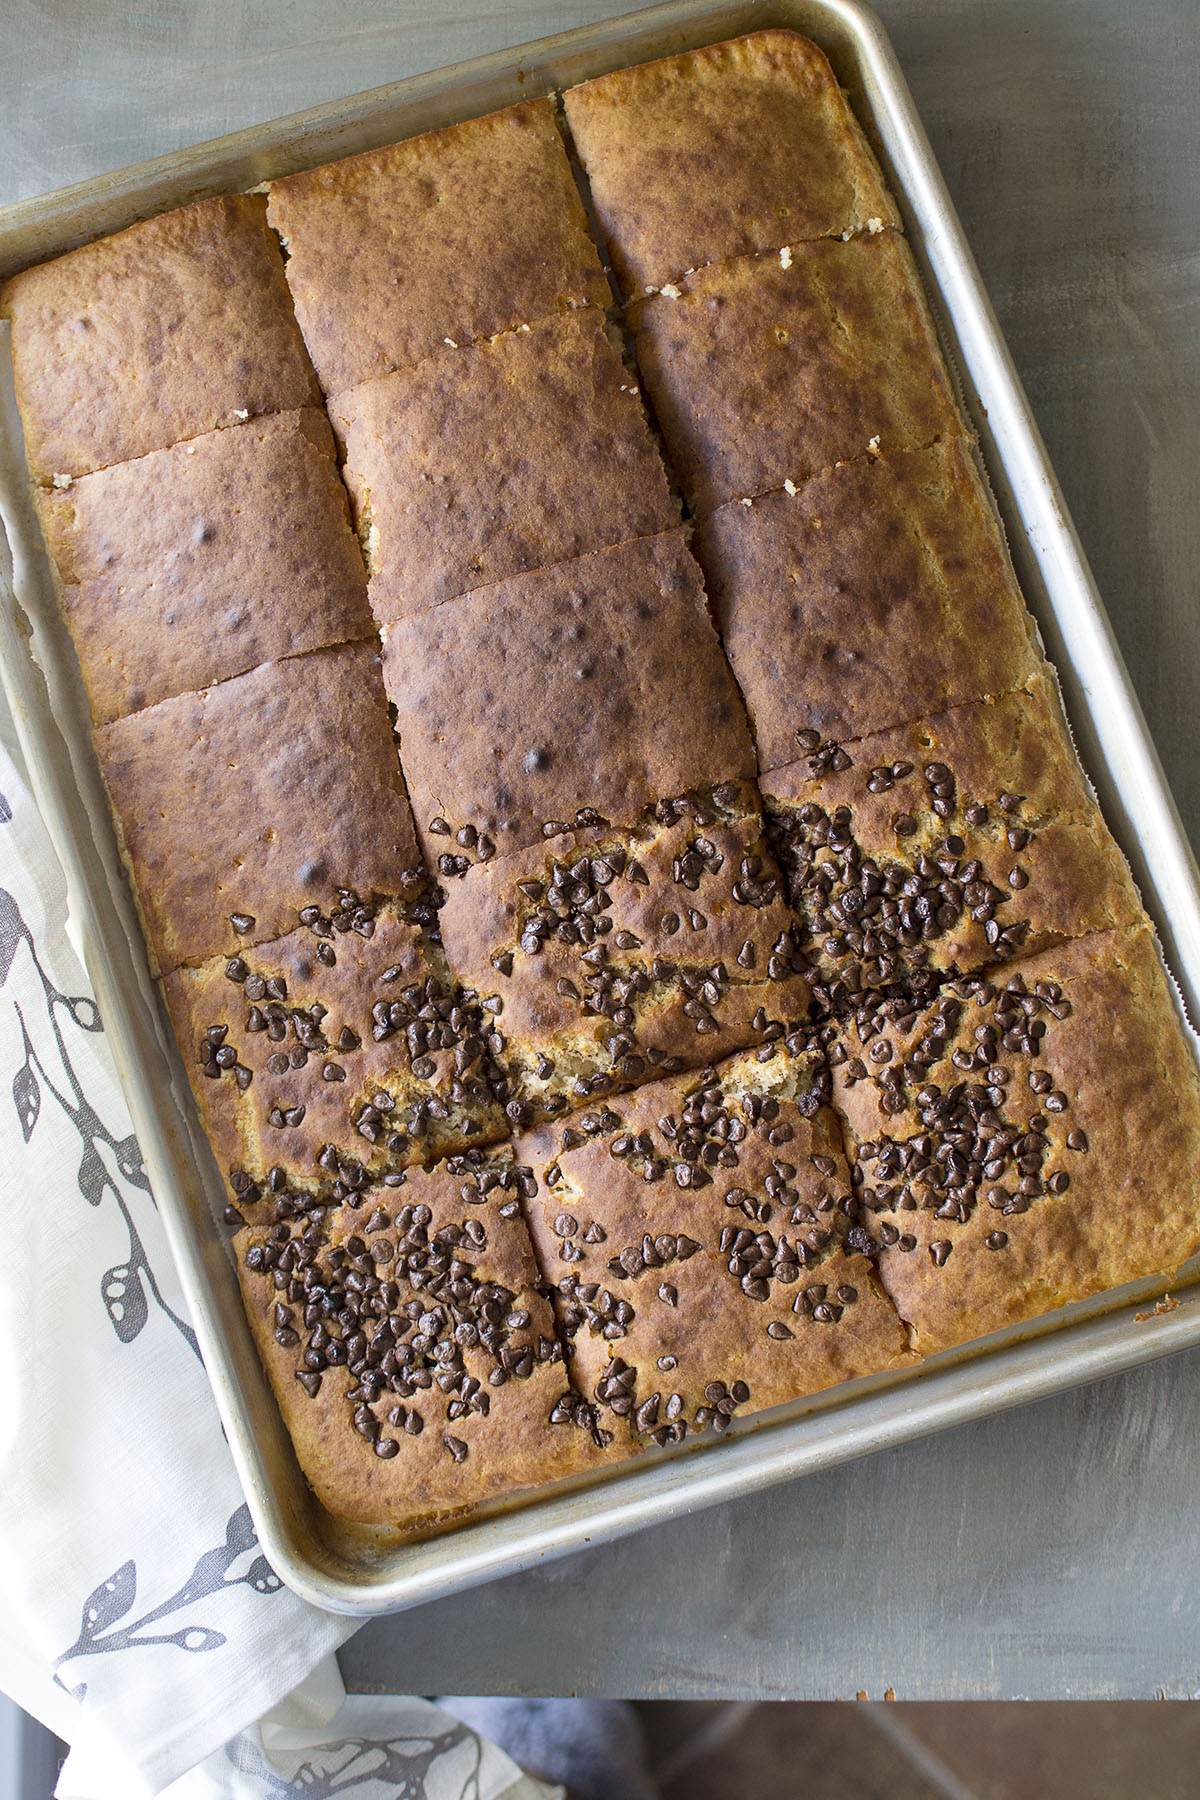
871, 917
988, 1135
403, 1306
780, 1210
635, 930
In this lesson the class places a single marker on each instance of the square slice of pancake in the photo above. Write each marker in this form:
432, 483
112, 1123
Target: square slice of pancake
413, 1356
725, 151
695, 1232
196, 563
489, 461
945, 845
878, 591
243, 803
769, 369
599, 682
608, 955
459, 233
1026, 1138
167, 330
334, 1056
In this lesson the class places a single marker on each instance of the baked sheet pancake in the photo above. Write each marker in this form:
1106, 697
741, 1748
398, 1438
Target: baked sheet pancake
642, 945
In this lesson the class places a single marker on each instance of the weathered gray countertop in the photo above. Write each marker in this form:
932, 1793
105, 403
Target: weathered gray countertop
1052, 1551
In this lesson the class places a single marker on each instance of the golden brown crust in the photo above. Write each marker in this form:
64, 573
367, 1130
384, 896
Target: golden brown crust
732, 149
491, 460
200, 562
458, 234
610, 956
599, 682
165, 331
878, 591
761, 373
1068, 1095
946, 844
696, 1234
421, 1288
342, 1048
259, 797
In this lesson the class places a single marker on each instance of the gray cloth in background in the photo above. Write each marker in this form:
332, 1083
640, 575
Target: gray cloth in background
594, 1747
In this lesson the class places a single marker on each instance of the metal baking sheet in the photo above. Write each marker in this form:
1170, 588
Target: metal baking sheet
368, 1573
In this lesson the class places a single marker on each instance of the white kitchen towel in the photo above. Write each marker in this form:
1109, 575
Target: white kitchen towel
138, 1618
322, 1743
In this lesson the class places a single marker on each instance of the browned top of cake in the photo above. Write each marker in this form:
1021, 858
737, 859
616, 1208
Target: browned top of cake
335, 1054
196, 563
459, 233
1026, 1139
878, 591
599, 682
769, 369
506, 456
253, 799
945, 844
734, 148
695, 1233
160, 333
420, 1375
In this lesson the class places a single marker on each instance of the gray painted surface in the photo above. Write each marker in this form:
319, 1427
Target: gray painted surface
1047, 1553
1051, 1551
